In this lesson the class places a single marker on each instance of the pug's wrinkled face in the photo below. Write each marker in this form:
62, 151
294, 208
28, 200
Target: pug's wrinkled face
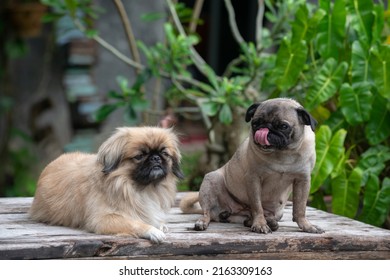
277, 124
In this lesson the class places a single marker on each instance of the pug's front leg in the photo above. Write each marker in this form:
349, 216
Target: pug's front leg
259, 223
301, 190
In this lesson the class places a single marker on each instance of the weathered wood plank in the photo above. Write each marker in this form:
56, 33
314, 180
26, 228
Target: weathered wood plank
21, 238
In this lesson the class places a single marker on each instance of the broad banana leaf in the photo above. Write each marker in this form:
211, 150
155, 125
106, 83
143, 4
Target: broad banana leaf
376, 203
362, 18
356, 103
330, 149
331, 30
326, 83
378, 127
345, 193
380, 64
373, 161
290, 61
360, 63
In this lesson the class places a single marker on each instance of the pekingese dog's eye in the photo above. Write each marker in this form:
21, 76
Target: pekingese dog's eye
140, 156
164, 153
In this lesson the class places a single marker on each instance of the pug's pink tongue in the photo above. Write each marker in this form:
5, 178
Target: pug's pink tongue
261, 136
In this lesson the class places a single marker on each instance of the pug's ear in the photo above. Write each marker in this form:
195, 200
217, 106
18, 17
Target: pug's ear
306, 118
110, 153
251, 111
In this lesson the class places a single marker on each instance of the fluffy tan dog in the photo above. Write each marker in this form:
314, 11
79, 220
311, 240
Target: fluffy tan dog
126, 188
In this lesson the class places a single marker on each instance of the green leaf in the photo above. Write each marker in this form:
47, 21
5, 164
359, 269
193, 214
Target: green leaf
326, 83
331, 30
130, 114
123, 83
142, 78
345, 193
360, 63
304, 27
376, 203
373, 161
313, 24
380, 64
356, 103
378, 129
362, 18
210, 108
115, 95
206, 88
103, 112
139, 104
225, 115
211, 76
300, 24
337, 121
379, 22
71, 5
290, 61
329, 150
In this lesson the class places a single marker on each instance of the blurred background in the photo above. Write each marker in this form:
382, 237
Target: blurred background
54, 78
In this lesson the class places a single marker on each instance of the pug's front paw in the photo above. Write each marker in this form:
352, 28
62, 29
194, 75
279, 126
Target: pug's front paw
260, 228
306, 226
313, 229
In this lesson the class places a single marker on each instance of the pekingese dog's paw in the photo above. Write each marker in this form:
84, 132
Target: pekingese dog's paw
164, 228
201, 225
155, 235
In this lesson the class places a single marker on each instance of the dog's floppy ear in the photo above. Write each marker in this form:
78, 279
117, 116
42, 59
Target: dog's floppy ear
251, 111
176, 169
110, 153
306, 118
176, 157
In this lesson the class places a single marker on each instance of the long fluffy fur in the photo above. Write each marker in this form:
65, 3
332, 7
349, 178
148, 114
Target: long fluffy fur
95, 192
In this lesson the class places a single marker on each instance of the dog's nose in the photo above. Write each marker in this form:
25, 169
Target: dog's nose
155, 158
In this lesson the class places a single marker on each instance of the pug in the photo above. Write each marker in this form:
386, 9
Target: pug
125, 189
253, 186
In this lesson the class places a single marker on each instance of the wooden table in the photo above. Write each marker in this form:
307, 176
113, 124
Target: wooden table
21, 238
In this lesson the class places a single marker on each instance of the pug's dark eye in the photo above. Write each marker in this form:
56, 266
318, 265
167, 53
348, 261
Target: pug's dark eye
283, 126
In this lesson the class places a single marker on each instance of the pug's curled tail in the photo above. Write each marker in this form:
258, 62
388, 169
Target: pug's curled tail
189, 204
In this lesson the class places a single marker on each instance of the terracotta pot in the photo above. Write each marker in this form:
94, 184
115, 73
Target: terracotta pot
26, 18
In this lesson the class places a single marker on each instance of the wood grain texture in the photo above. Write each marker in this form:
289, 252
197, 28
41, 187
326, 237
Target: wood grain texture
22, 238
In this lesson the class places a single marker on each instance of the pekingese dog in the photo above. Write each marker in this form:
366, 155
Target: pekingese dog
126, 188
253, 187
